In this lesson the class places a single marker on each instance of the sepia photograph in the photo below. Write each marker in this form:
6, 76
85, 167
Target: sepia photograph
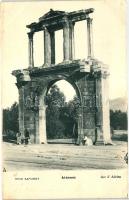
64, 99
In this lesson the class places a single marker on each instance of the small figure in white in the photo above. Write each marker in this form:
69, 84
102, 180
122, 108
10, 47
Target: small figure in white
87, 141
18, 136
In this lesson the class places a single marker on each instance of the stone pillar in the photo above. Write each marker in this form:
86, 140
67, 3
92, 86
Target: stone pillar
37, 139
47, 47
42, 125
21, 110
66, 41
89, 37
52, 35
102, 107
71, 42
80, 126
30, 49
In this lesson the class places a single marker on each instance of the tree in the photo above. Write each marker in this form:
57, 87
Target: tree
73, 108
118, 120
69, 115
10, 118
55, 101
55, 97
10, 121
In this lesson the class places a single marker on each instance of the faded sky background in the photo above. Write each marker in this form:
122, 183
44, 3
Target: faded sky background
109, 38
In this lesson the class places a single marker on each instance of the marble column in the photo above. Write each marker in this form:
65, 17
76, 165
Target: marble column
52, 35
42, 118
31, 50
47, 47
37, 139
71, 42
66, 41
80, 126
21, 110
89, 37
42, 125
102, 105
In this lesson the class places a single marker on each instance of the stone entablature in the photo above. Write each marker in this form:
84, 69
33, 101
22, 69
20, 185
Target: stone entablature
92, 66
54, 20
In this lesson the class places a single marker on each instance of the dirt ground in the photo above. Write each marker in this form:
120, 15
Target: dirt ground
63, 156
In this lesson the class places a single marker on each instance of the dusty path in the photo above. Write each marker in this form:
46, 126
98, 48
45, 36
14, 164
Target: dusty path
63, 156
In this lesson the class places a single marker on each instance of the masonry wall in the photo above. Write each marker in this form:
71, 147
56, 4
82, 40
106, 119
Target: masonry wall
86, 86
27, 115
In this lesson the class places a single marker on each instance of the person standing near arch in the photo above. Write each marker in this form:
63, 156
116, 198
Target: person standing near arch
27, 136
18, 136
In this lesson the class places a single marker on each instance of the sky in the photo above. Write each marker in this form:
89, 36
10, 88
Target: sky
109, 41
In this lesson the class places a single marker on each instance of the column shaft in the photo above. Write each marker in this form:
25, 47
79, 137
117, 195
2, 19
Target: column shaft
66, 42
42, 125
89, 37
37, 139
52, 35
71, 42
105, 110
80, 126
21, 110
30, 49
47, 47
102, 104
42, 118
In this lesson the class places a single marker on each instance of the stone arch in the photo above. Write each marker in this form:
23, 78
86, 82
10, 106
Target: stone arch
72, 83
42, 107
88, 76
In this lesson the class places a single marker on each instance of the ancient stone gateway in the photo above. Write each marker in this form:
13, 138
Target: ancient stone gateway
89, 77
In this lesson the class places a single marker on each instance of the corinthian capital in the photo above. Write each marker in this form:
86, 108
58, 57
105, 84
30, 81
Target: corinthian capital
89, 20
30, 35
66, 22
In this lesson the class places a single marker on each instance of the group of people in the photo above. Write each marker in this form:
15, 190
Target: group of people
23, 139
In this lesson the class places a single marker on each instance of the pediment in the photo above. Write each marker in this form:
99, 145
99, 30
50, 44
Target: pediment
52, 13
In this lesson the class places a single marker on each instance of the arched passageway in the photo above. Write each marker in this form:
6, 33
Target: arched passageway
60, 104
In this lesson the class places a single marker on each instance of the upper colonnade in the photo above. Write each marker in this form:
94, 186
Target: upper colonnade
56, 20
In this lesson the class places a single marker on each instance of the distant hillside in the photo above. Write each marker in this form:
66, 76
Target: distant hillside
119, 104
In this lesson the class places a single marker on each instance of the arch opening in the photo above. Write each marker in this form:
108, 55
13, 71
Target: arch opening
61, 112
